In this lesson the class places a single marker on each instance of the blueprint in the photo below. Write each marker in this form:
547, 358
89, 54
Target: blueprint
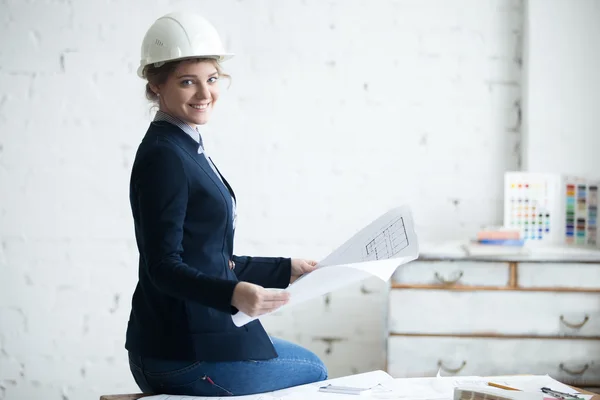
376, 250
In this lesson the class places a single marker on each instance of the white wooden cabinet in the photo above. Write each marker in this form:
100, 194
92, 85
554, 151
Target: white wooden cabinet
496, 316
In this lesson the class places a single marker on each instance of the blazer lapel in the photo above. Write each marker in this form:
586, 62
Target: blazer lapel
224, 180
184, 141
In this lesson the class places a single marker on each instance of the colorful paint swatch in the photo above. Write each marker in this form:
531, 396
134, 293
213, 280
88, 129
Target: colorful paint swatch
592, 228
530, 204
570, 214
581, 211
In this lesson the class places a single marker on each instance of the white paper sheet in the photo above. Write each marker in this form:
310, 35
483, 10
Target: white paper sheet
383, 386
310, 391
442, 388
376, 250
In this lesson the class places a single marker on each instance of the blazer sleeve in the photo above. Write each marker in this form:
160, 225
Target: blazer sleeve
268, 272
161, 196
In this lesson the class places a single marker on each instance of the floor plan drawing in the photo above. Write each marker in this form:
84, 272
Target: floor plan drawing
388, 242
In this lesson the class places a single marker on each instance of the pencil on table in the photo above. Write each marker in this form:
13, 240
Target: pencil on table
501, 386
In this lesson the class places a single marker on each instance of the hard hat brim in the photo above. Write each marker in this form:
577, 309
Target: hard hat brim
219, 58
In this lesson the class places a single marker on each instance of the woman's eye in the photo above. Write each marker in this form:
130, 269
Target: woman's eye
187, 82
212, 79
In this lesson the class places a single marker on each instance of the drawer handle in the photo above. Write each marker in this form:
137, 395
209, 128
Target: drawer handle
574, 326
571, 372
451, 370
448, 281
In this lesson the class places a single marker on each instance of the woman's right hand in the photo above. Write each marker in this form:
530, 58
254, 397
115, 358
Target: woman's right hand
255, 300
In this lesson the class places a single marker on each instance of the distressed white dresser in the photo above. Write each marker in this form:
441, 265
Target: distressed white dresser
534, 314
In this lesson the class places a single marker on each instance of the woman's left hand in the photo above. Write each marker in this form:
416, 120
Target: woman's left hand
301, 267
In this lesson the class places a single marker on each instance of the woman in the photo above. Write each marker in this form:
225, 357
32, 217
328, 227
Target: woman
180, 337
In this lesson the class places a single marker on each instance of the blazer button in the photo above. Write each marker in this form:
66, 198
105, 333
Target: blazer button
231, 265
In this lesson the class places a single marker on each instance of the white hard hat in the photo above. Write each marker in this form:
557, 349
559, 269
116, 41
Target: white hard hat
177, 36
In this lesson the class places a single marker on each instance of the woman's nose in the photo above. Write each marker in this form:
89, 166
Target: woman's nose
202, 92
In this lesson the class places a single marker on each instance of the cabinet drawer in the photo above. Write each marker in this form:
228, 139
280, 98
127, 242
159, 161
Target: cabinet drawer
496, 312
572, 361
557, 275
444, 273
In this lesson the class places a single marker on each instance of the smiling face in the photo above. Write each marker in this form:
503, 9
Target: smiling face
190, 91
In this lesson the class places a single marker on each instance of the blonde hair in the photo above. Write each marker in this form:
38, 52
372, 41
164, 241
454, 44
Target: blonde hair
158, 75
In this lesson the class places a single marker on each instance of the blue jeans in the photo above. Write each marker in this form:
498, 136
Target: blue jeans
294, 366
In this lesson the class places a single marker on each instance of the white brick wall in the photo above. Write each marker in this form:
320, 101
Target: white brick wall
337, 112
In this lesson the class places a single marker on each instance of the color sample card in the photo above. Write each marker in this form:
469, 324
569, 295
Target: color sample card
530, 204
592, 206
581, 211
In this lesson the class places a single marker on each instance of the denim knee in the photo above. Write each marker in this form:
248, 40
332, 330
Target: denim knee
323, 372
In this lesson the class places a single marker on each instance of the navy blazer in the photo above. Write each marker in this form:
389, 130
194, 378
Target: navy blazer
181, 307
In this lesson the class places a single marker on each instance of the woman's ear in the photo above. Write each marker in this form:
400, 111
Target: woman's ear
154, 88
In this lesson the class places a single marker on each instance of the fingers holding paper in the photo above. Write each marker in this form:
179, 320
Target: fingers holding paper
254, 300
301, 267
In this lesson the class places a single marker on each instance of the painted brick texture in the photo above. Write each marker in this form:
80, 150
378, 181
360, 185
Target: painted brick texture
337, 111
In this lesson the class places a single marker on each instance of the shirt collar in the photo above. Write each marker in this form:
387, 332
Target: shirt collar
193, 133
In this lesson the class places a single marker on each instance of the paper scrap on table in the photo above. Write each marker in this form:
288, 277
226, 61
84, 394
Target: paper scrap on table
377, 250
